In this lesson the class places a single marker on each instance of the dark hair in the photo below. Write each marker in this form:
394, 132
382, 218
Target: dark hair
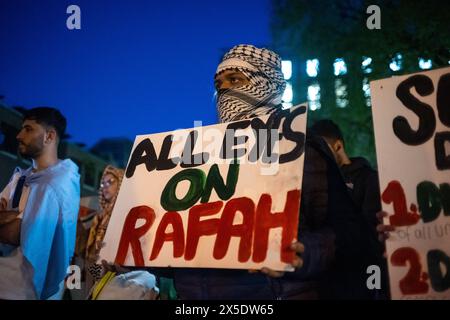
327, 129
49, 117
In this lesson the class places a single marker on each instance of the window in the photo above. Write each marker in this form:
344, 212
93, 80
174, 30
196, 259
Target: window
314, 96
341, 93
366, 91
288, 93
340, 67
366, 65
425, 64
396, 62
312, 68
286, 68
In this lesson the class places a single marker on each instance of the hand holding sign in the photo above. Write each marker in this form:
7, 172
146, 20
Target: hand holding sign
299, 249
383, 229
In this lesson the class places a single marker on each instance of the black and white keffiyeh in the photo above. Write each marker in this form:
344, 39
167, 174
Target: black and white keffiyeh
264, 92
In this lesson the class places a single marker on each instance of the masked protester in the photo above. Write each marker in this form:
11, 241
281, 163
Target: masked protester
249, 83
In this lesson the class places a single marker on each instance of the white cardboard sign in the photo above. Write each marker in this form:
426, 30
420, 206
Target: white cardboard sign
220, 196
411, 117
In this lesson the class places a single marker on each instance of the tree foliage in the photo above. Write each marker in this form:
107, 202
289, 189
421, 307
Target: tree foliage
328, 29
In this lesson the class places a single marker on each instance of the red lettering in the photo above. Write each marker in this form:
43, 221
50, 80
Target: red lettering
394, 194
244, 230
177, 236
253, 231
197, 228
415, 281
287, 220
131, 234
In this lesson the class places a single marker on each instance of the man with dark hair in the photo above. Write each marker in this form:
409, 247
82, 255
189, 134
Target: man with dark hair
38, 212
49, 118
332, 134
362, 182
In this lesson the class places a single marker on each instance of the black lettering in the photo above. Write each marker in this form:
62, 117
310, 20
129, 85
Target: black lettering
164, 163
443, 99
144, 153
429, 200
442, 159
295, 136
445, 197
188, 159
230, 140
264, 138
439, 281
427, 121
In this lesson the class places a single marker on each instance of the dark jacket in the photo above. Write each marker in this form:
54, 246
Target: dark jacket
346, 277
362, 182
329, 229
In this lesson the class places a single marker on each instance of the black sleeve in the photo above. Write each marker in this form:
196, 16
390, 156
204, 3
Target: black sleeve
314, 232
319, 253
371, 200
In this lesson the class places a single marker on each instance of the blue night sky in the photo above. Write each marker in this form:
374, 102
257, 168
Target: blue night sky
135, 67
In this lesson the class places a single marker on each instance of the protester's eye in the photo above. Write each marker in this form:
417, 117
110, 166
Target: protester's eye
236, 80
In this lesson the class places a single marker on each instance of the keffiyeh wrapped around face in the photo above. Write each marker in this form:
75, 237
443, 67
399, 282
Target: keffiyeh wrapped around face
266, 84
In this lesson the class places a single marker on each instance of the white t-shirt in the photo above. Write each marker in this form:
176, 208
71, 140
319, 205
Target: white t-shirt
16, 273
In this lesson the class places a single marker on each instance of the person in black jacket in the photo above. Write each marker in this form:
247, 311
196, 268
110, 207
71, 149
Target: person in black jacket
250, 83
360, 177
362, 182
